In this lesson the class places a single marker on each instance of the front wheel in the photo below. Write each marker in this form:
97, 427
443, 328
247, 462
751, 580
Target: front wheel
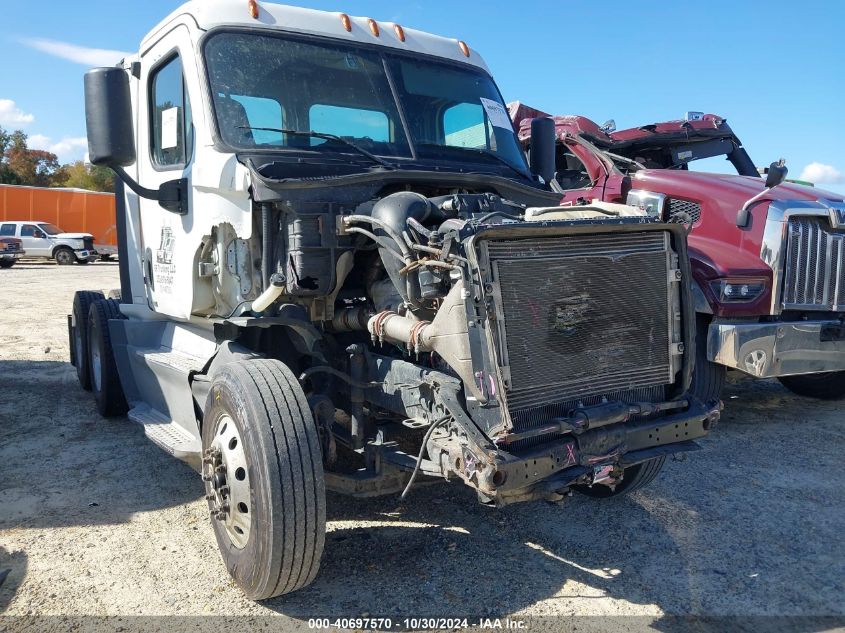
634, 478
824, 386
708, 378
264, 478
64, 256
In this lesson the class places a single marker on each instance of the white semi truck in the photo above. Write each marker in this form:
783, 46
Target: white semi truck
338, 272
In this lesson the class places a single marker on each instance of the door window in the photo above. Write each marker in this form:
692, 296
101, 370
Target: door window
171, 124
29, 230
7, 229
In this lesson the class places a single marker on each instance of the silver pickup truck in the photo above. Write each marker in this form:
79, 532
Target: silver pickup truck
42, 239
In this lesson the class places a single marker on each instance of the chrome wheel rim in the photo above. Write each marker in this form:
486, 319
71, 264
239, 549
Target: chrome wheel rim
227, 477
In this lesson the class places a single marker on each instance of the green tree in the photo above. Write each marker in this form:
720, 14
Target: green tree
81, 176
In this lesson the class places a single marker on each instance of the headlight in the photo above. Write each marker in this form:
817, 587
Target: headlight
651, 203
78, 245
738, 289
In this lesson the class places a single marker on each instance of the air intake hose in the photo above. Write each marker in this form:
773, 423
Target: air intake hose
394, 211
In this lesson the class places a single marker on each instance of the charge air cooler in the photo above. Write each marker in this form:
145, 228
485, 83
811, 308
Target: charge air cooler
579, 318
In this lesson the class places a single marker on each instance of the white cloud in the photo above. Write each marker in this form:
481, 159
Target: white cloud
821, 174
11, 114
78, 54
68, 149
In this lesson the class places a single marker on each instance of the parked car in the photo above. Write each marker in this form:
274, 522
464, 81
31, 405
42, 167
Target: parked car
768, 256
10, 250
42, 239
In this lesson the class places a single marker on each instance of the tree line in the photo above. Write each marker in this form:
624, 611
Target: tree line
21, 165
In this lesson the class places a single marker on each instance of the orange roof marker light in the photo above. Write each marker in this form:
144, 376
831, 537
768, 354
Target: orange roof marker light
400, 32
346, 22
464, 48
373, 27
253, 8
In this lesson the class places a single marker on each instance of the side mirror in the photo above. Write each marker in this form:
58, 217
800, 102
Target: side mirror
38, 234
777, 174
542, 152
108, 117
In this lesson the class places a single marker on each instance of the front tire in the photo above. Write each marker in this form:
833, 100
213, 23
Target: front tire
105, 381
264, 478
64, 256
636, 477
824, 386
82, 301
708, 378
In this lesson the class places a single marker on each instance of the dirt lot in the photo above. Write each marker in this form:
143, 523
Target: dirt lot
94, 520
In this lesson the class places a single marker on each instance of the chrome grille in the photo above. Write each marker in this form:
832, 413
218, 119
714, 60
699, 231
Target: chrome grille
814, 272
692, 209
582, 315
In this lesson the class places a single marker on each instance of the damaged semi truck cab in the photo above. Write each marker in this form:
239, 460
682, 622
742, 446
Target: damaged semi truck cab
767, 254
338, 272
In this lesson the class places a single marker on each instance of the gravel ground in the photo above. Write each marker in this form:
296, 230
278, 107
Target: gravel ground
95, 520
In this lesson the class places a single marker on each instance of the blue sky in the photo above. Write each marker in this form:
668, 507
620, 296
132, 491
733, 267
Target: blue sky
775, 69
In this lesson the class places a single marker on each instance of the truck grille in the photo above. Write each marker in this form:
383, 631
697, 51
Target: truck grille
814, 273
582, 315
88, 243
692, 209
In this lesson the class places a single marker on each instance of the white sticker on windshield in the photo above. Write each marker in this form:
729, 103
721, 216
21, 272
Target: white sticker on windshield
169, 128
496, 113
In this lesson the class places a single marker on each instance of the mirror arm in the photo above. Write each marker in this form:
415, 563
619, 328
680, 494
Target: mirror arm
172, 195
743, 215
149, 194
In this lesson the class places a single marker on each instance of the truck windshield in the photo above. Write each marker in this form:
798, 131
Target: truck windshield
50, 229
388, 104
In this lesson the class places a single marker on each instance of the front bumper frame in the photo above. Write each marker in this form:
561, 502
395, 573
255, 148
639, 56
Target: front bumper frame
769, 350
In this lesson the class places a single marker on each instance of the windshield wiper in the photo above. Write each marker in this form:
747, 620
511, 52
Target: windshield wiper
323, 135
479, 150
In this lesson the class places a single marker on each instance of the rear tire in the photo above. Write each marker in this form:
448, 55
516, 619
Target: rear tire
7, 263
64, 256
105, 381
636, 477
83, 262
82, 301
824, 386
274, 545
708, 378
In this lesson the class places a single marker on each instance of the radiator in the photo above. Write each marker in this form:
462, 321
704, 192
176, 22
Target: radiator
582, 316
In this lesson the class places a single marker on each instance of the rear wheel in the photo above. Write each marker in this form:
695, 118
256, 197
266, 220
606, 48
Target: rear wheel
7, 263
83, 261
635, 477
105, 382
82, 301
64, 256
824, 386
264, 478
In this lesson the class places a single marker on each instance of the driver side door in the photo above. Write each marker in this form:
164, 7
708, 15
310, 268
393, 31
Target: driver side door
35, 242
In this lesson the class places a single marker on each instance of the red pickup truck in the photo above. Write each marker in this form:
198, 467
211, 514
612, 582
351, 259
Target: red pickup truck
768, 263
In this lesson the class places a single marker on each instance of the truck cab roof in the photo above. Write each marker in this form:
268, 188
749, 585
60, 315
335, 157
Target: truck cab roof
211, 14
